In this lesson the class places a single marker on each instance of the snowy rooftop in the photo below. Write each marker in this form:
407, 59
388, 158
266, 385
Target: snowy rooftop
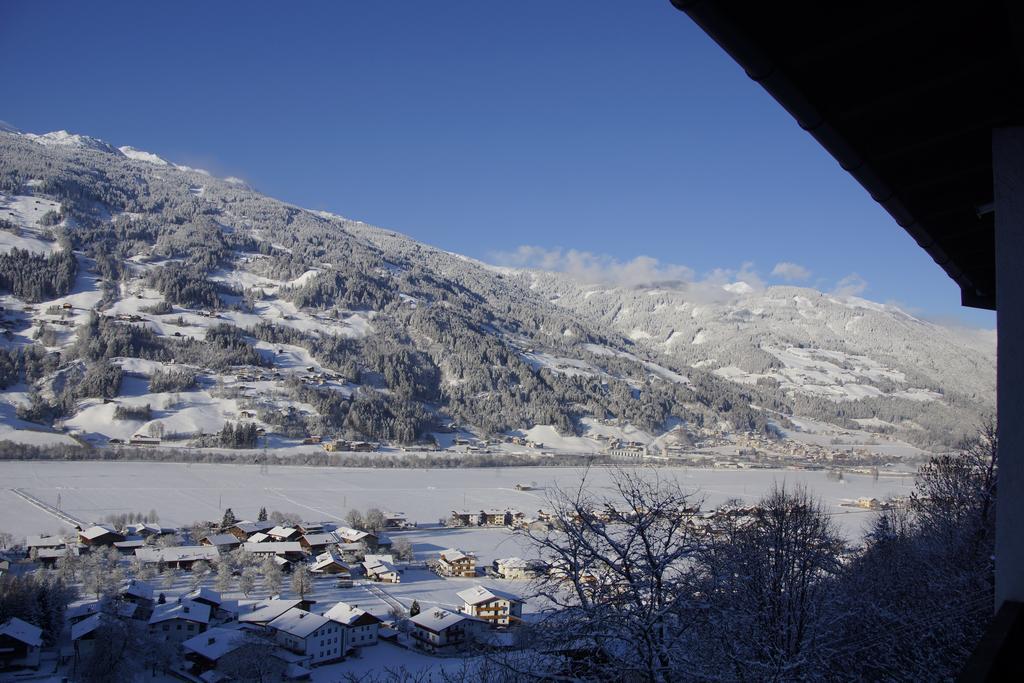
259, 537
478, 595
455, 555
298, 622
186, 609
347, 614
139, 589
22, 631
283, 531
182, 553
97, 531
44, 541
327, 559
86, 626
221, 539
217, 642
321, 539
263, 611
438, 619
205, 594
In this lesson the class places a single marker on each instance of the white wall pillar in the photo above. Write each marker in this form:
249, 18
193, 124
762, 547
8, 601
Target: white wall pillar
1008, 177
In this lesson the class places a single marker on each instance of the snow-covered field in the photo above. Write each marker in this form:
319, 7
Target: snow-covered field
183, 493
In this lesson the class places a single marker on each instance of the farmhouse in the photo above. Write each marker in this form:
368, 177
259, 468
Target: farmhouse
305, 633
494, 607
243, 530
454, 562
223, 542
99, 535
359, 626
20, 644
381, 568
289, 550
178, 557
329, 563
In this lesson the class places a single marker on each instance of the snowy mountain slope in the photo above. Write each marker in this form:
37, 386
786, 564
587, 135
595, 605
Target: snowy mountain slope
180, 302
836, 356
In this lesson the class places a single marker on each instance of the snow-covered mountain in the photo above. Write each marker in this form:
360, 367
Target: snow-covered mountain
145, 298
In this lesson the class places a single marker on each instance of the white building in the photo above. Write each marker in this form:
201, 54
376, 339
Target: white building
305, 633
360, 627
495, 607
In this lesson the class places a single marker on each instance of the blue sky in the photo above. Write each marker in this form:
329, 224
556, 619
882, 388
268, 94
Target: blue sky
615, 129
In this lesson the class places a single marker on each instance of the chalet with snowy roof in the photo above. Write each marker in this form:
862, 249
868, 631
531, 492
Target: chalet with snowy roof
178, 557
317, 543
288, 550
381, 568
313, 527
284, 533
20, 644
146, 529
130, 544
361, 628
463, 518
243, 530
494, 607
438, 630
312, 635
178, 621
222, 542
260, 537
207, 649
347, 534
99, 535
137, 592
329, 563
85, 632
454, 562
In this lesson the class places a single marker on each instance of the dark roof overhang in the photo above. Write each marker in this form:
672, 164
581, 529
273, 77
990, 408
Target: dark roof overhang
904, 95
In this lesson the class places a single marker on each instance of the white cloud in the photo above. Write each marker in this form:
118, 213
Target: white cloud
790, 272
598, 269
642, 271
851, 285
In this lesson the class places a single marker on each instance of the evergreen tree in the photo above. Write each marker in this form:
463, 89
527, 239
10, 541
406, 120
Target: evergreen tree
262, 517
229, 519
415, 609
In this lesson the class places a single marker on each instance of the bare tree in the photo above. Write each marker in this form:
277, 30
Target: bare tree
619, 581
765, 579
272, 576
302, 582
247, 580
253, 661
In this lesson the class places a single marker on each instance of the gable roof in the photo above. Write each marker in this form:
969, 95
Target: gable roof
86, 626
218, 641
221, 539
478, 595
263, 611
455, 555
438, 619
198, 612
181, 553
138, 588
22, 631
97, 531
350, 615
298, 622
204, 594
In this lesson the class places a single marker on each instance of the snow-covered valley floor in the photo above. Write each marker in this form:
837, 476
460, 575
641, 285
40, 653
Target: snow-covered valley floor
183, 493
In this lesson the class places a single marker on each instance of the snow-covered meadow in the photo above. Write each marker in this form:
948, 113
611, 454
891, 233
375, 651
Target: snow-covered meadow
183, 493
